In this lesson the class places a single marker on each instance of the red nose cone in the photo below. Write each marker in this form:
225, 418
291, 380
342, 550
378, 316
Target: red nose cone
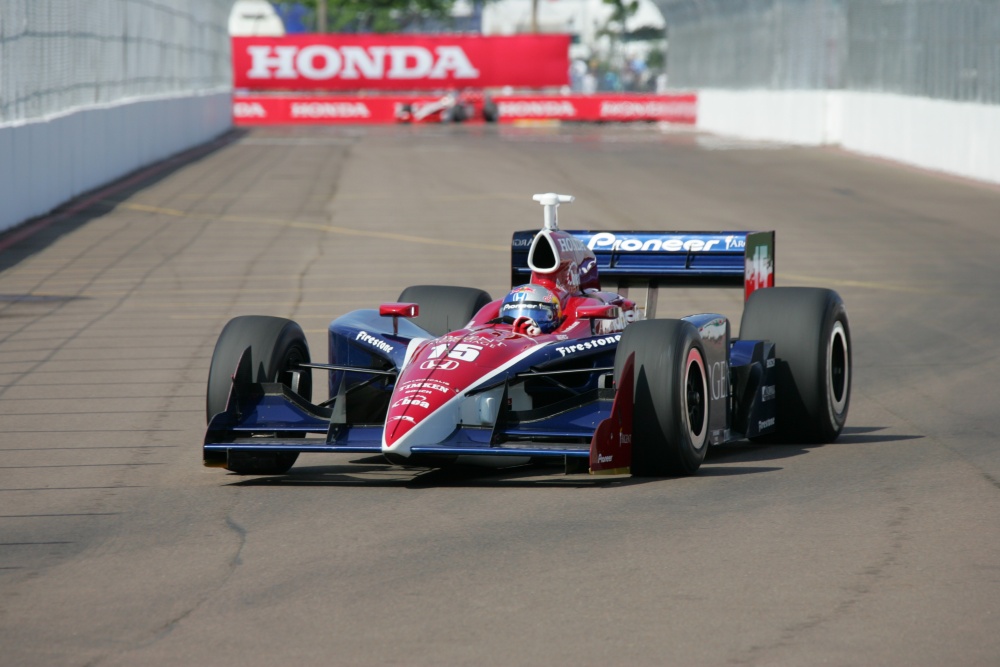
444, 368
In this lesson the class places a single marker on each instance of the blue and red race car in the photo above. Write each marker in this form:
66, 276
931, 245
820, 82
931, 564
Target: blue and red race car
559, 368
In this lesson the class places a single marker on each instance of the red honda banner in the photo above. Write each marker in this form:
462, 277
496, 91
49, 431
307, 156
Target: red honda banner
679, 108
614, 107
399, 62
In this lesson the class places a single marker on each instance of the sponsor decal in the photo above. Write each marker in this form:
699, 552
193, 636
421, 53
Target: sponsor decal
652, 109
472, 341
568, 280
770, 363
601, 458
403, 418
624, 438
330, 110
713, 330
377, 343
588, 345
521, 243
767, 423
569, 244
767, 393
421, 386
415, 401
759, 269
622, 243
439, 364
320, 62
719, 372
249, 110
537, 109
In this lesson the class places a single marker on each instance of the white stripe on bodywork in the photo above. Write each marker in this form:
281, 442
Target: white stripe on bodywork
411, 349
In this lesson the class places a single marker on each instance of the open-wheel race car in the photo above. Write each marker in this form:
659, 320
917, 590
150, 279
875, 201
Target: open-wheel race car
557, 369
452, 107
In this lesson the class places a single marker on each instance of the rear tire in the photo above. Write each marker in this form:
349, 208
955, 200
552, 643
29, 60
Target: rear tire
444, 308
277, 347
812, 338
671, 412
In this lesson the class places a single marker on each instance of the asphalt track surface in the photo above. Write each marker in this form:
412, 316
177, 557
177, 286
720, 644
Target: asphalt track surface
118, 548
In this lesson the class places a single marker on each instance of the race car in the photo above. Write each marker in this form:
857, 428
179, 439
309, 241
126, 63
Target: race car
558, 369
452, 107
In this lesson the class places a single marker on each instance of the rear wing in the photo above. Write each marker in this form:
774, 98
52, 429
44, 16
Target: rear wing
661, 259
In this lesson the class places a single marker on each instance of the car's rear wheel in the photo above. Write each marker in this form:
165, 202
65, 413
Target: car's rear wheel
812, 338
444, 308
277, 347
671, 413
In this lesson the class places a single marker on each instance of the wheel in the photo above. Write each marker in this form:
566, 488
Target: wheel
670, 417
444, 308
812, 339
491, 113
458, 113
277, 346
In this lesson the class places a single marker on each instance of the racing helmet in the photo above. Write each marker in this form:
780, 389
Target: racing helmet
534, 302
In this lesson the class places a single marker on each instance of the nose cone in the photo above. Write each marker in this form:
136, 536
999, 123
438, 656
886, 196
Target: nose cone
425, 404
418, 396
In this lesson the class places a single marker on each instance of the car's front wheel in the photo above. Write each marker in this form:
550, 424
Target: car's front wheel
671, 411
277, 347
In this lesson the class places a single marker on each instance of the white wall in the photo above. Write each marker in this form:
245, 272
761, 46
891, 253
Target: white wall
44, 163
953, 137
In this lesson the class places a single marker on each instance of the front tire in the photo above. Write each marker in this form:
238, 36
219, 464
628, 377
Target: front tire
277, 347
812, 338
671, 412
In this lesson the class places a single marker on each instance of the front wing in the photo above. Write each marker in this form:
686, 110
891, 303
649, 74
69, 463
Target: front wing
270, 417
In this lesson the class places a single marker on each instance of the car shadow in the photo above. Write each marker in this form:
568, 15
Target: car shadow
745, 451
366, 474
375, 472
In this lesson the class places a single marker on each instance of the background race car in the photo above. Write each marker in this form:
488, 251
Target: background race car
453, 107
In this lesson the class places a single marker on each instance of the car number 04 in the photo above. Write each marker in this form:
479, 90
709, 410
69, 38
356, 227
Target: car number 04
461, 352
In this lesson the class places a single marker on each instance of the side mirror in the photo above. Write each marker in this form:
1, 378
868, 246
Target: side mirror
397, 310
602, 312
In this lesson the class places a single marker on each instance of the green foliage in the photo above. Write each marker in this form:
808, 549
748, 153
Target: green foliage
620, 10
380, 15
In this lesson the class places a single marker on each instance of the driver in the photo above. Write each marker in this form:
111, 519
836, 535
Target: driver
532, 310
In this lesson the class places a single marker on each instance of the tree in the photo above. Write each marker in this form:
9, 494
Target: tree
614, 27
376, 15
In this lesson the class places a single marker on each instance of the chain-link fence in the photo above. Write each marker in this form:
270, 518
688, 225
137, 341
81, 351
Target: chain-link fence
60, 55
947, 49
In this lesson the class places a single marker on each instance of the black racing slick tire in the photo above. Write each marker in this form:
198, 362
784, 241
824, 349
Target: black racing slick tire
277, 347
671, 407
444, 308
812, 338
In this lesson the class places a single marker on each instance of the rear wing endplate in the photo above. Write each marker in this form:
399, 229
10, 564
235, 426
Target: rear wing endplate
661, 259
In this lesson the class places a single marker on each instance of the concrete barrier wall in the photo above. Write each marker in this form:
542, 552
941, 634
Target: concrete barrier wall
954, 137
46, 162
